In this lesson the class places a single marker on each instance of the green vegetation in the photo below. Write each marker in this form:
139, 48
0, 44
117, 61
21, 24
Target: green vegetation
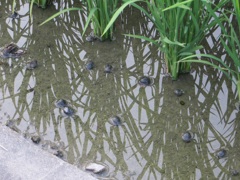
42, 3
230, 41
181, 25
99, 13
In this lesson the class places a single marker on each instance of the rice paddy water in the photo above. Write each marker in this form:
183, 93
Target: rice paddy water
70, 110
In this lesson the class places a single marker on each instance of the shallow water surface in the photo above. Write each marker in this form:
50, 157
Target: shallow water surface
147, 144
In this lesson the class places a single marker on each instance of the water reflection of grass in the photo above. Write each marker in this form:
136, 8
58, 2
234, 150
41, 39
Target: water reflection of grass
217, 124
99, 15
88, 101
149, 141
181, 26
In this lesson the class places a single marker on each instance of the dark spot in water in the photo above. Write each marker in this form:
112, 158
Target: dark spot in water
234, 172
61, 103
187, 137
89, 65
221, 153
182, 103
115, 121
144, 81
30, 90
91, 38
11, 51
31, 65
12, 125
36, 139
178, 92
59, 154
14, 15
108, 68
68, 111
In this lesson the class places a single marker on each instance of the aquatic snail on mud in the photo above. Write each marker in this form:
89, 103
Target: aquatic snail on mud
182, 102
108, 68
89, 65
178, 92
56, 148
234, 172
36, 139
31, 65
115, 120
221, 153
11, 51
68, 111
92, 37
145, 81
59, 153
187, 136
61, 103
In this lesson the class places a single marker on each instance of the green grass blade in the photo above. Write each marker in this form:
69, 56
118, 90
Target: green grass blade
179, 4
117, 13
13, 6
61, 12
142, 37
90, 16
30, 11
168, 41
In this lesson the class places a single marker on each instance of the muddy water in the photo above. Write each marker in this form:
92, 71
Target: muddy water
148, 143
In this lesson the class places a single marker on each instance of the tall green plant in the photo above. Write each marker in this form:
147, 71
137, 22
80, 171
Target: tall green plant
181, 25
231, 43
100, 12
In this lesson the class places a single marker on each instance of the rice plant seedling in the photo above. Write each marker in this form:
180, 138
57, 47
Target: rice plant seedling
99, 13
231, 43
42, 3
181, 25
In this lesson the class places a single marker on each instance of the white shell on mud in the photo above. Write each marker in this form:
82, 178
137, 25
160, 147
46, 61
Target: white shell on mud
95, 168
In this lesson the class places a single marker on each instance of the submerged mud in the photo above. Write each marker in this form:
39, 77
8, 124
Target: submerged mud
147, 143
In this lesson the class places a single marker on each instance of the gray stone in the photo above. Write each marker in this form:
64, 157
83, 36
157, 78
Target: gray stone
95, 168
21, 159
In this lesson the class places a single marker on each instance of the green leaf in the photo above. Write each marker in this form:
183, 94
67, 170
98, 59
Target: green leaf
168, 41
179, 4
57, 14
30, 11
117, 13
184, 7
91, 14
142, 37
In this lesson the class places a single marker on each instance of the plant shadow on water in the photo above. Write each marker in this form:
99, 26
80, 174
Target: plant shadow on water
148, 144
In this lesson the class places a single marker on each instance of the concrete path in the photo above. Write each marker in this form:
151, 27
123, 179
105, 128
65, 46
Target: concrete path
21, 159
